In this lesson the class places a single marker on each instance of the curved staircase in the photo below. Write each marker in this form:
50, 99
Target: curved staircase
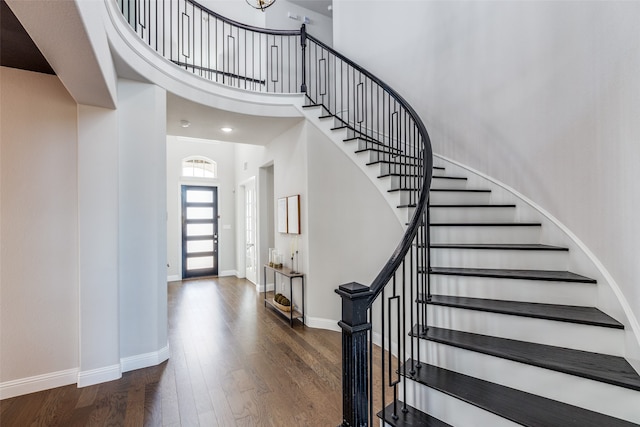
513, 337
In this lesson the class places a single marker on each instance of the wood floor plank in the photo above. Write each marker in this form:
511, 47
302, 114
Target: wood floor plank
232, 362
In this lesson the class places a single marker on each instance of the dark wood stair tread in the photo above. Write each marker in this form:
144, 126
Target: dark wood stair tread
395, 190
471, 206
486, 224
544, 275
412, 418
413, 164
459, 178
498, 246
605, 368
461, 190
518, 406
402, 175
563, 313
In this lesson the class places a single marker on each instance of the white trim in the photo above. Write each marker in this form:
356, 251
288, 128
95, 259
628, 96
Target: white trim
320, 323
37, 383
633, 321
227, 273
100, 375
146, 360
173, 278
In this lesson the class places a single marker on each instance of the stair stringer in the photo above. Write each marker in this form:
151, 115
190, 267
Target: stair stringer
609, 297
372, 171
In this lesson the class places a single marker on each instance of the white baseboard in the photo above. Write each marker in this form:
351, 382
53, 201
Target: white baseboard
174, 278
37, 383
145, 360
100, 375
227, 273
320, 323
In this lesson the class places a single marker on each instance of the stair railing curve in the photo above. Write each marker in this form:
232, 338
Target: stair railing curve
383, 123
378, 119
217, 48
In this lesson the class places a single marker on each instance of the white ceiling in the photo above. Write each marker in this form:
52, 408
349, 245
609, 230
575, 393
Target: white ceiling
206, 123
320, 6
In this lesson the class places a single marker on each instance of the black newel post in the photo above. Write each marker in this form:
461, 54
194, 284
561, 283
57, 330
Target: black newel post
303, 44
355, 372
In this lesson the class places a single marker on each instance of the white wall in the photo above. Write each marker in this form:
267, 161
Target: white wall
339, 208
236, 10
288, 154
38, 230
319, 26
223, 154
352, 229
142, 224
98, 244
542, 96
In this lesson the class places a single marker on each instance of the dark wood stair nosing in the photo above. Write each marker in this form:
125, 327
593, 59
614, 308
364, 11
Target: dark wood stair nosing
460, 190
471, 206
521, 407
498, 246
612, 370
485, 224
496, 273
388, 152
455, 178
589, 316
411, 418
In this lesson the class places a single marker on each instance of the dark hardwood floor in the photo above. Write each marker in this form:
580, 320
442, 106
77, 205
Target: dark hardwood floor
233, 363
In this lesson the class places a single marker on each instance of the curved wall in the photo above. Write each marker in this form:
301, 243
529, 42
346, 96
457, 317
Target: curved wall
540, 95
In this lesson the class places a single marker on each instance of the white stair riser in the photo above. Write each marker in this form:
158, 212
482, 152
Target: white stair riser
493, 258
560, 334
448, 409
448, 183
593, 395
581, 294
485, 234
386, 168
406, 197
397, 182
459, 198
374, 156
472, 214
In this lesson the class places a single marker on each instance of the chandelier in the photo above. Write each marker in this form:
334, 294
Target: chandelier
260, 4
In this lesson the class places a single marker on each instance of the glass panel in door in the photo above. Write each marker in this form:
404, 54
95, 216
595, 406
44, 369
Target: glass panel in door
199, 231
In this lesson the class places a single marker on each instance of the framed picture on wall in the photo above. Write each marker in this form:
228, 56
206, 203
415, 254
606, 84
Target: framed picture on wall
293, 214
282, 215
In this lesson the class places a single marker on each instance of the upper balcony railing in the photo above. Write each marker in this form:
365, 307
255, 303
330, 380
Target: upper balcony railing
217, 48
383, 123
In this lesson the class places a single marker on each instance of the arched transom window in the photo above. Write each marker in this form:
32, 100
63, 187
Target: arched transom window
199, 167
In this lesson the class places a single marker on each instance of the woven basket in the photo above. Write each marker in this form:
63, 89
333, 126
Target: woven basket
282, 307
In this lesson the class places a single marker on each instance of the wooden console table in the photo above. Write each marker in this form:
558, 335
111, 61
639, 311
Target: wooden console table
269, 295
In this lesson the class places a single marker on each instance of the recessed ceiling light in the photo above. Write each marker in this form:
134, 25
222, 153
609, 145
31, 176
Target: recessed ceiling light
226, 129
185, 123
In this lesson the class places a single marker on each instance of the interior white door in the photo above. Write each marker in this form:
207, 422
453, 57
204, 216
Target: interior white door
250, 231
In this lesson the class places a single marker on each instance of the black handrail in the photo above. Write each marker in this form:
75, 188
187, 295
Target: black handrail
416, 221
390, 129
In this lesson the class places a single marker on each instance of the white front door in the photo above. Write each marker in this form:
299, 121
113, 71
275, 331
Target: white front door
250, 233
